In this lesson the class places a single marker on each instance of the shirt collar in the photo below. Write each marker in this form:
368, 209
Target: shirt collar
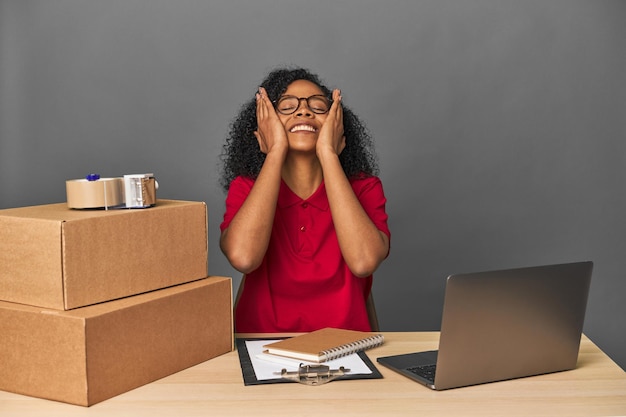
287, 198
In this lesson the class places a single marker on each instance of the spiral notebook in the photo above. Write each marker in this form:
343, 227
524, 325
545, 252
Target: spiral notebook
325, 344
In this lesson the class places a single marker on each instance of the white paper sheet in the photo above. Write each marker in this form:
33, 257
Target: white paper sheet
268, 366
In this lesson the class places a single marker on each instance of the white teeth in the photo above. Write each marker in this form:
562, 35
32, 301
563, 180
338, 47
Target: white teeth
298, 128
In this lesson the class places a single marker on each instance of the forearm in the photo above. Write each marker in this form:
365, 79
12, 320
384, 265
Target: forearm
246, 239
362, 245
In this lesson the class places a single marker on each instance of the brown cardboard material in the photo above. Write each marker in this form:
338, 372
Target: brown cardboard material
61, 258
87, 355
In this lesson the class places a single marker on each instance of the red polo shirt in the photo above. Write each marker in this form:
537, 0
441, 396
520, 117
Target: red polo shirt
303, 283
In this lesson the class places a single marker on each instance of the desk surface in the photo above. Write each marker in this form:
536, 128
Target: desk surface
215, 387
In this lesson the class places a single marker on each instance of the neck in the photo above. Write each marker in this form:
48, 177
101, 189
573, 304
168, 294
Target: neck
303, 175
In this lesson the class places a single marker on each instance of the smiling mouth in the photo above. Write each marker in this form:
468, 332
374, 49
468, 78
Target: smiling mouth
302, 128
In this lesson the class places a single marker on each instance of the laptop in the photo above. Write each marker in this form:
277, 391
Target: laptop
505, 324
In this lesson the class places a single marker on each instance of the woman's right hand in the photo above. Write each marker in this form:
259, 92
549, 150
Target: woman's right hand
270, 132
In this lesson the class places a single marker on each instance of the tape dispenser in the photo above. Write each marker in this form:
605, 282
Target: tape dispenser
129, 191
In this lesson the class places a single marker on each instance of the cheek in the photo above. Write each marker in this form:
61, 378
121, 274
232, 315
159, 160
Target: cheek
283, 119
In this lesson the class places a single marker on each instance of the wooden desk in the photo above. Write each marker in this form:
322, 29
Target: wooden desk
215, 388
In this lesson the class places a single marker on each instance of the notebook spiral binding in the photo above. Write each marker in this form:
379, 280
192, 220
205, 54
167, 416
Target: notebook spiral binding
350, 348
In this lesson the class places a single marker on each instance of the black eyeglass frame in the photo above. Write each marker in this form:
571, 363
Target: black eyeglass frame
318, 96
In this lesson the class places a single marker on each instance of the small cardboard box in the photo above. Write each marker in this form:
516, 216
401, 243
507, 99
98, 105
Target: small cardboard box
60, 258
86, 355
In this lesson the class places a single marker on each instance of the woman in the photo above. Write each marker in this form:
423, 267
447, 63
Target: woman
305, 218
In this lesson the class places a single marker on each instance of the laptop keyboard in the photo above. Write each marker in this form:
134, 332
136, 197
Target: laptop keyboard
425, 371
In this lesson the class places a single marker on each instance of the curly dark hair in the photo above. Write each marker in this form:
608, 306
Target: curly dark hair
241, 155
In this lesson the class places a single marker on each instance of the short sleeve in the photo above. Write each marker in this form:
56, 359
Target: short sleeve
237, 193
369, 191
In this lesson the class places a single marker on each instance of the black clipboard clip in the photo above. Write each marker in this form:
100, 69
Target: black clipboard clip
314, 374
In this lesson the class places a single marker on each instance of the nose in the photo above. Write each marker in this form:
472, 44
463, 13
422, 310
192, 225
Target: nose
303, 109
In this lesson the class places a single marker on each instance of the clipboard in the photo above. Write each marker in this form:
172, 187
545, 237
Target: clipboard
250, 377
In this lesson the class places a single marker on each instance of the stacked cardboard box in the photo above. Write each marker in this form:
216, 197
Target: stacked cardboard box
94, 303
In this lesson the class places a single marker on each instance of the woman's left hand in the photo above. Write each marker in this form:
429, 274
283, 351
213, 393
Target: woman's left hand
331, 137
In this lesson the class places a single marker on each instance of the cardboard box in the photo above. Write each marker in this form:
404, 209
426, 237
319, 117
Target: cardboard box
55, 257
86, 355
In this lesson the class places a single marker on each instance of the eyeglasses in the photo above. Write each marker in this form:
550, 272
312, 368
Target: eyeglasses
318, 104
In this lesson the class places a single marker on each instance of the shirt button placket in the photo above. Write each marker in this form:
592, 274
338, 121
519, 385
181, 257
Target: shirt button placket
304, 216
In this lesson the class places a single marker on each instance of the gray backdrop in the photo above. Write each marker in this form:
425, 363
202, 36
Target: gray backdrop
500, 125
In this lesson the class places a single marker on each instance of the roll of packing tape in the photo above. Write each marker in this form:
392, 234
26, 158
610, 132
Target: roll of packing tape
95, 192
132, 191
